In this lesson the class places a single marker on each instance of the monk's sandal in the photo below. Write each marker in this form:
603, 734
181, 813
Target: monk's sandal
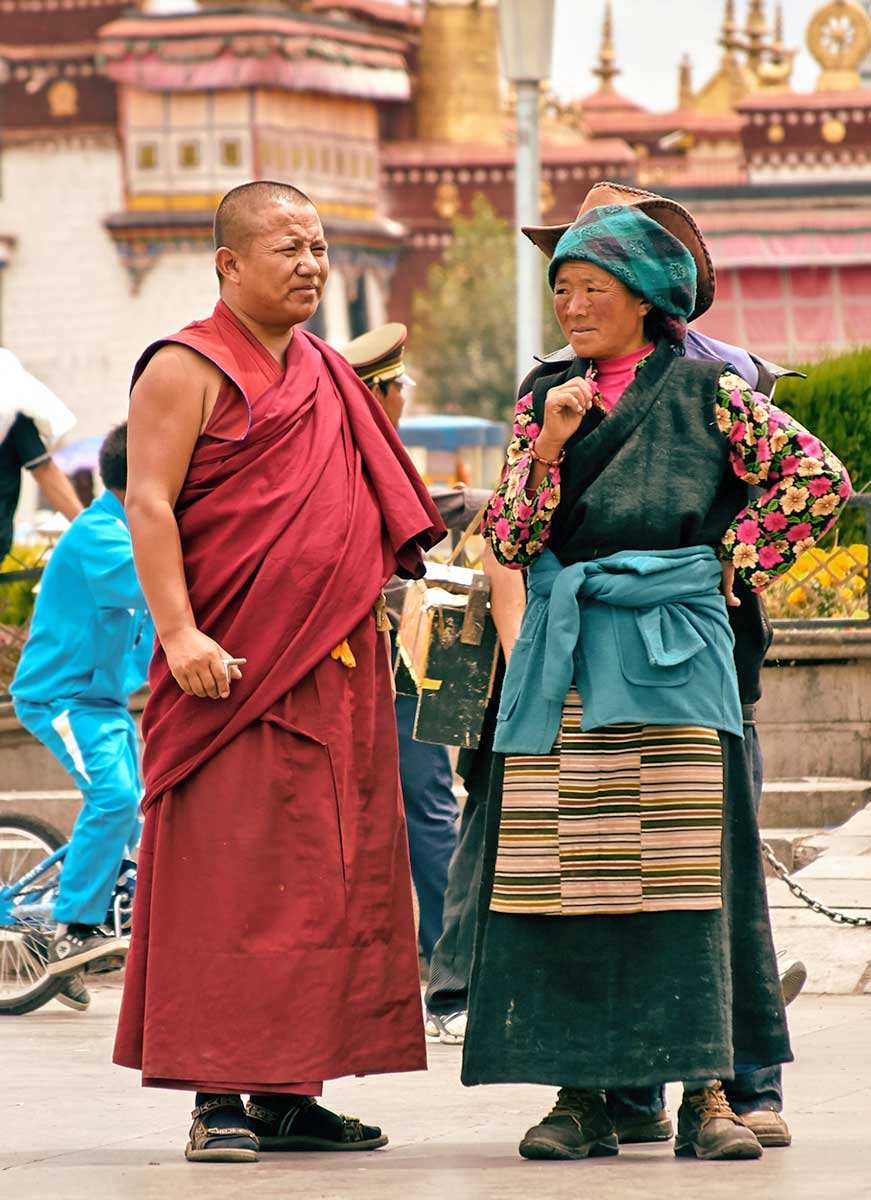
578, 1126
303, 1124
708, 1129
221, 1133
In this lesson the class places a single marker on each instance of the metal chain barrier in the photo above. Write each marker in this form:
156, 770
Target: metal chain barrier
797, 890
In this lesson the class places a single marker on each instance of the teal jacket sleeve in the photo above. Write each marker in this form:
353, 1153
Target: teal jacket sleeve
107, 564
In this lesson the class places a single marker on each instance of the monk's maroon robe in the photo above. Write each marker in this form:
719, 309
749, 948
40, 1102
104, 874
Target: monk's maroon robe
273, 942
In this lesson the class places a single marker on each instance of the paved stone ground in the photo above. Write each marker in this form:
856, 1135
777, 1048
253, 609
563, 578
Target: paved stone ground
77, 1128
838, 957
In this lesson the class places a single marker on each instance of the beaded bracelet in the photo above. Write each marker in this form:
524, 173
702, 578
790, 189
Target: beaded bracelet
547, 462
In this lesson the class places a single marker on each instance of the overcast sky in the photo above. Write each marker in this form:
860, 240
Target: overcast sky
651, 35
650, 38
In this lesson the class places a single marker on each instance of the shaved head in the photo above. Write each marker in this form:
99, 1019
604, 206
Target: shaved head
271, 254
240, 214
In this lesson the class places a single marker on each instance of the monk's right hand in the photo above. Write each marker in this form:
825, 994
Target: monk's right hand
565, 407
199, 665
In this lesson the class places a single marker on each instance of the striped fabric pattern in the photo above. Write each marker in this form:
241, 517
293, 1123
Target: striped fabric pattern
626, 819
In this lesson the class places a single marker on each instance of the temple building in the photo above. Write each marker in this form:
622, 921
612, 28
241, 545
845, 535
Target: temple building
121, 126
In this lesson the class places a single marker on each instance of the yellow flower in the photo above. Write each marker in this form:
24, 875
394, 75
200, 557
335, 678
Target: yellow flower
753, 476
825, 505
507, 550
778, 440
760, 413
729, 537
745, 556
516, 450
729, 381
758, 579
724, 419
794, 500
810, 466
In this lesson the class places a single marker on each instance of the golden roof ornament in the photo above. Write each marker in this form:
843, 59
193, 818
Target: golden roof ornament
685, 83
774, 74
756, 33
606, 70
733, 79
729, 38
839, 38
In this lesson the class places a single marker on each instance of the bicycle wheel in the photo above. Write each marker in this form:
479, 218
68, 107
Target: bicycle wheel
24, 983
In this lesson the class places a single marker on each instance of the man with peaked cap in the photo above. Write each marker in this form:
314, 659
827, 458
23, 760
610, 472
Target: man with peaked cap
427, 779
377, 357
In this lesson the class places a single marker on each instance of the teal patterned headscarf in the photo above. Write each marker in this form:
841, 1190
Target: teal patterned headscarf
634, 249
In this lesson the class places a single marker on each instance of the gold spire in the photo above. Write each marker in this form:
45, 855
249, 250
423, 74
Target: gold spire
775, 72
607, 69
685, 83
733, 79
756, 31
777, 43
728, 33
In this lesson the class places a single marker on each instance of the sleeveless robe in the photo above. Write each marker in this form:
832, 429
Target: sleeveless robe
273, 939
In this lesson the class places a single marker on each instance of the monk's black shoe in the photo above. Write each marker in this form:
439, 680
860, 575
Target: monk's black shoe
578, 1126
221, 1132
300, 1123
708, 1129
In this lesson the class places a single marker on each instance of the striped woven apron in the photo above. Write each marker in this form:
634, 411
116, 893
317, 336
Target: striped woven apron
625, 819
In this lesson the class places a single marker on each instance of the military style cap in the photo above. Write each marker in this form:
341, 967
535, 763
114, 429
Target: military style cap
376, 356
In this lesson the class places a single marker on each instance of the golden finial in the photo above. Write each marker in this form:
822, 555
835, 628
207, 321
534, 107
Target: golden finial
774, 74
728, 33
755, 29
778, 26
607, 68
685, 83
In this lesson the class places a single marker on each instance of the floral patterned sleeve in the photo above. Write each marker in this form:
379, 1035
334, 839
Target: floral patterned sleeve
518, 524
806, 484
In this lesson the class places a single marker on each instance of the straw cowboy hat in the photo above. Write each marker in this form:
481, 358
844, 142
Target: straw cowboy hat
671, 215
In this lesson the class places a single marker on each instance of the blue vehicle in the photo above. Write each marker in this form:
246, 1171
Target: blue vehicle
31, 860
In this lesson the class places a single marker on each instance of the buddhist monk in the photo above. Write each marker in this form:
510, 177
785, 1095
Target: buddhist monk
269, 500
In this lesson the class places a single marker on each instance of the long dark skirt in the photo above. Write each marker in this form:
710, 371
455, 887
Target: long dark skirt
622, 1001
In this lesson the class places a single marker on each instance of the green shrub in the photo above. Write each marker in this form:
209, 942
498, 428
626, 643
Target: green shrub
834, 403
17, 599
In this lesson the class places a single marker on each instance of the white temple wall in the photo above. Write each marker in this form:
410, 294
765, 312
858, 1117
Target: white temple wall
66, 304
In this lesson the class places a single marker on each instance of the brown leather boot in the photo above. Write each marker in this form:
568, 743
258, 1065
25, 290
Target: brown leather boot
708, 1129
769, 1127
578, 1126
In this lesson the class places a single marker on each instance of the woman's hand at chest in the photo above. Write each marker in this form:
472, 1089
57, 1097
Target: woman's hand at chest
565, 407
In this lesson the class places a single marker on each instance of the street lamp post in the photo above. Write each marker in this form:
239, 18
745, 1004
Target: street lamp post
526, 28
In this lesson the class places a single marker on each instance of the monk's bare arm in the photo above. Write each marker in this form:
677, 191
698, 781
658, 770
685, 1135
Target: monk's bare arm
166, 415
507, 600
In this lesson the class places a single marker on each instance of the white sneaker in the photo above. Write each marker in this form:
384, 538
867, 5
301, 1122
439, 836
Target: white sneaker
793, 976
450, 1030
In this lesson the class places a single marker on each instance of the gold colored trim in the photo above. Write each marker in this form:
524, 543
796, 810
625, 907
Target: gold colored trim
193, 201
188, 201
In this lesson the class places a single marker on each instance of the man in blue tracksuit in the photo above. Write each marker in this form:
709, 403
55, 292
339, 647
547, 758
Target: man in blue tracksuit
88, 650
